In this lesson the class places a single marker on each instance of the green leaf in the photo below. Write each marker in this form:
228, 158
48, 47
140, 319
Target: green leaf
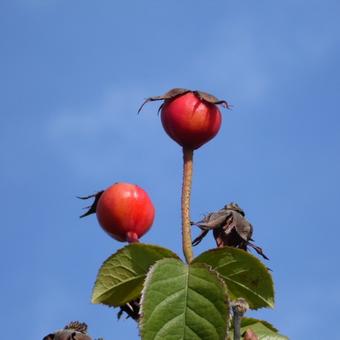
250, 321
263, 329
263, 332
121, 277
181, 302
244, 274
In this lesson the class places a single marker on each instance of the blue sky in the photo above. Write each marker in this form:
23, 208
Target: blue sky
73, 74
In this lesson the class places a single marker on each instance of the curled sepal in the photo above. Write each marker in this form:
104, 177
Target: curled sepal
176, 92
230, 228
93, 207
131, 309
77, 326
211, 99
75, 330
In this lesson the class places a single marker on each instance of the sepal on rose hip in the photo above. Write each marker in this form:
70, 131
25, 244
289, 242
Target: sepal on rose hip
93, 207
176, 92
190, 118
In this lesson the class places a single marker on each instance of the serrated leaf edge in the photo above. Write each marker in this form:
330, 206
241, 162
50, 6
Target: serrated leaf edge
119, 251
203, 265
254, 320
269, 304
277, 333
145, 285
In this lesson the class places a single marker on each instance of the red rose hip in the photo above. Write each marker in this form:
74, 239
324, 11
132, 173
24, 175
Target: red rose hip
190, 121
125, 212
191, 118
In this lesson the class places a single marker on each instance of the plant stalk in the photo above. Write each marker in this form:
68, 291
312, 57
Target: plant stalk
185, 204
237, 325
239, 307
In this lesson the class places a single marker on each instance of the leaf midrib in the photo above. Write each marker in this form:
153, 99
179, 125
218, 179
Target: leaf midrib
270, 304
118, 285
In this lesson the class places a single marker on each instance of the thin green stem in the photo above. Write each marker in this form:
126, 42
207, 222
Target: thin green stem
186, 191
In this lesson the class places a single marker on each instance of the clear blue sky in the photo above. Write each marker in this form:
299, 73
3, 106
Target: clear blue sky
73, 74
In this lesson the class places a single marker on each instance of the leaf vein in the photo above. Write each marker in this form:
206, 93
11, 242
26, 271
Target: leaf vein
249, 290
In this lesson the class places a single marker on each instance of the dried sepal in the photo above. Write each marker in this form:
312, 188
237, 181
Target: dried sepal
93, 207
240, 306
75, 330
209, 98
176, 92
50, 336
230, 228
200, 237
77, 326
258, 250
131, 309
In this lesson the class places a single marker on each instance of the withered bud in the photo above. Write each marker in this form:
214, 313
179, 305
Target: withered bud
240, 306
230, 228
75, 330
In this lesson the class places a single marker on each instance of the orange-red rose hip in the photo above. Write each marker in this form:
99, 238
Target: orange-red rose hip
191, 118
125, 212
190, 121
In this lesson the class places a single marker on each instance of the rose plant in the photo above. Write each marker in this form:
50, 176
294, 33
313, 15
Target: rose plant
205, 297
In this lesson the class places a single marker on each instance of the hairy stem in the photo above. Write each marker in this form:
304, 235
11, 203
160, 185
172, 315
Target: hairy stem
239, 307
186, 191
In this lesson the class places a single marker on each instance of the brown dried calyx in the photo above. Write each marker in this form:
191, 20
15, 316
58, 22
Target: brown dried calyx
75, 330
176, 92
131, 309
91, 209
230, 228
77, 326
